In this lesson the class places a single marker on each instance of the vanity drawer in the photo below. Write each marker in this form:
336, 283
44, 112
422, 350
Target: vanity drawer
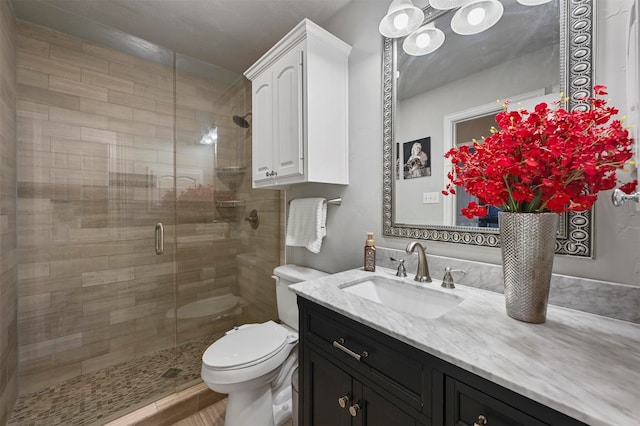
467, 406
387, 360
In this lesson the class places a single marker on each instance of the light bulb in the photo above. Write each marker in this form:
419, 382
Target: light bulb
210, 137
423, 40
400, 21
476, 16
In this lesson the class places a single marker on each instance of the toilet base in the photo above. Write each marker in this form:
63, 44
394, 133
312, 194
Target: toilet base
250, 407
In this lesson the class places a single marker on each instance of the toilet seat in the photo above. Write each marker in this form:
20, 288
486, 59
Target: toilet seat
247, 346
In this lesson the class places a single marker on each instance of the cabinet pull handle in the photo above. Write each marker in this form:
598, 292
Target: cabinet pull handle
354, 410
159, 239
338, 344
482, 421
343, 401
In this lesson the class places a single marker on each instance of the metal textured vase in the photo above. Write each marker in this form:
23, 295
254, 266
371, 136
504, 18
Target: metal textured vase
528, 245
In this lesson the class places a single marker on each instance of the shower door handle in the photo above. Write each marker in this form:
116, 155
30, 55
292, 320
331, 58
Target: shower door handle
159, 238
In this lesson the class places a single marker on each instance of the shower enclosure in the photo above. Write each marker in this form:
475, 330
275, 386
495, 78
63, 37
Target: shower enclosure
134, 255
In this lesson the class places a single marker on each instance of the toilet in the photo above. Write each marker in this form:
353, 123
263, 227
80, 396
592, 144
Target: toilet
253, 363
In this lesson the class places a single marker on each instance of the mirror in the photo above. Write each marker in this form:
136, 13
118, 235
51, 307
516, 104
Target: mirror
445, 98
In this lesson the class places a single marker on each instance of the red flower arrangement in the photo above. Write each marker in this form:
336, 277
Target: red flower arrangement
547, 160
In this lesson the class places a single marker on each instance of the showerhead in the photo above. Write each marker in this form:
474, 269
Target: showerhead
241, 120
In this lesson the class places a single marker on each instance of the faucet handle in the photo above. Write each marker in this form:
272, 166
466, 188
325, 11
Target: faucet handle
447, 280
402, 271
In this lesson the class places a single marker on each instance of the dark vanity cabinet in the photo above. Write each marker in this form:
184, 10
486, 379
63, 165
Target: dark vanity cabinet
351, 374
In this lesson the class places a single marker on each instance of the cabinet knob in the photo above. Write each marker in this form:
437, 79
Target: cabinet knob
354, 410
343, 401
482, 420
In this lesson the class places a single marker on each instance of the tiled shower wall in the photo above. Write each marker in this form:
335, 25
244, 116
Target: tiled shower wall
8, 244
95, 153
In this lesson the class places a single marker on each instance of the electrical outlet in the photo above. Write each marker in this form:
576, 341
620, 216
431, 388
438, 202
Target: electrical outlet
430, 197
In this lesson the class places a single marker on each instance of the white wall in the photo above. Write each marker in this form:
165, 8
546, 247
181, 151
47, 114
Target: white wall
617, 235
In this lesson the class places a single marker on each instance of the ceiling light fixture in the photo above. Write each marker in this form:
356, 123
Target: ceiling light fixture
447, 4
424, 40
210, 136
472, 17
402, 19
532, 2
476, 16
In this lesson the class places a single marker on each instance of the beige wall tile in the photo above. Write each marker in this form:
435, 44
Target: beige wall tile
77, 58
151, 91
51, 346
83, 147
158, 70
32, 45
75, 267
46, 34
102, 79
83, 90
130, 73
107, 276
78, 118
154, 118
48, 66
131, 313
33, 78
29, 271
96, 135
32, 110
131, 100
109, 54
109, 359
34, 382
130, 127
47, 97
34, 302
28, 127
106, 109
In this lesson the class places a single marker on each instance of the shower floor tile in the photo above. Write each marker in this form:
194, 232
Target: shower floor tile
92, 398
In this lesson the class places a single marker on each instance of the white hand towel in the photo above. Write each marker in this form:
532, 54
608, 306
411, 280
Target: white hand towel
306, 224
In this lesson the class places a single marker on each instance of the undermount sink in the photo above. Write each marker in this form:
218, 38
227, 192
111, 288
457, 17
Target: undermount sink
414, 299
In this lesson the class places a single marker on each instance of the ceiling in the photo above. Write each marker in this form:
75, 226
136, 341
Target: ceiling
232, 34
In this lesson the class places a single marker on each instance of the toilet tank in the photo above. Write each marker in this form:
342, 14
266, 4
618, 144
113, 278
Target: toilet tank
286, 275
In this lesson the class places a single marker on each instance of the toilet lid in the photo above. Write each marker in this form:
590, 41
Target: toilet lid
246, 346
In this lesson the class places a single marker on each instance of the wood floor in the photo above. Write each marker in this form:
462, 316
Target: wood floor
213, 415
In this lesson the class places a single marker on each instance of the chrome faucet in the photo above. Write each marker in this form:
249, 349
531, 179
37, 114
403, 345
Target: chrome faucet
422, 274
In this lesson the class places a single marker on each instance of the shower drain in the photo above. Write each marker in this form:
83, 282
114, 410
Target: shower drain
171, 373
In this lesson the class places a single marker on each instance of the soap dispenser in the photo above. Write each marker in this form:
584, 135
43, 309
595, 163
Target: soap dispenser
370, 253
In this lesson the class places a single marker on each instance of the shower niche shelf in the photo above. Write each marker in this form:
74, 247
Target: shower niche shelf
231, 176
229, 209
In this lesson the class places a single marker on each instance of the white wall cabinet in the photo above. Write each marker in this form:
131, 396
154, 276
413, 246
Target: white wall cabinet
300, 110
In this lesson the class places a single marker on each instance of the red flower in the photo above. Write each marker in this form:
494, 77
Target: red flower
546, 160
473, 209
629, 187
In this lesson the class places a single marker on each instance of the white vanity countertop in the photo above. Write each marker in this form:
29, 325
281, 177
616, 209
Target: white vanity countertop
583, 365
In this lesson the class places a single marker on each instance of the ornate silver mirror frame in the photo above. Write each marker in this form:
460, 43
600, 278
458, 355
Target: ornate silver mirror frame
576, 52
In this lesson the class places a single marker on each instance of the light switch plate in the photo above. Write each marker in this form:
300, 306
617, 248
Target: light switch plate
430, 197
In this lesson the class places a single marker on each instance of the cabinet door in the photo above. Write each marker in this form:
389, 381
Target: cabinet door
262, 128
287, 98
324, 384
377, 411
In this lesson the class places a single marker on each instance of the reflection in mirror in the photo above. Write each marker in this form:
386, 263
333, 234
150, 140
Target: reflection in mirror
448, 97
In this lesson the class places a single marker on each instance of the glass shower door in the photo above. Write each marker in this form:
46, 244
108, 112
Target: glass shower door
96, 174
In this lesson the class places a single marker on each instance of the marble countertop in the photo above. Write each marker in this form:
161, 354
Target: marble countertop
583, 365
